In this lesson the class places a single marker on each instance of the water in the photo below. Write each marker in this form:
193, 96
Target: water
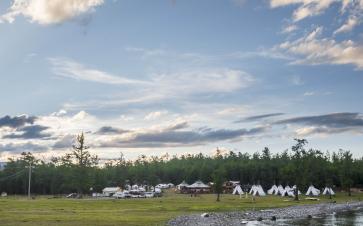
351, 218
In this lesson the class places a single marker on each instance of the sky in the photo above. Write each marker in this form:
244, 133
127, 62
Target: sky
180, 76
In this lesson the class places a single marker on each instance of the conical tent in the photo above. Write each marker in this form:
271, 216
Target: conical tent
312, 191
272, 190
237, 190
293, 189
258, 191
328, 191
280, 190
288, 193
252, 189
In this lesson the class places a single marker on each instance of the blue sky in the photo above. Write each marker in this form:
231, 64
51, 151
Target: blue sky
150, 77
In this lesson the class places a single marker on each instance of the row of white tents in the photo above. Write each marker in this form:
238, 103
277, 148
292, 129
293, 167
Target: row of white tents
257, 190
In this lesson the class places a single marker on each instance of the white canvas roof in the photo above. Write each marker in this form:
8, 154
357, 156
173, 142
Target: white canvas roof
280, 190
328, 191
257, 191
272, 190
198, 184
312, 191
252, 189
288, 193
237, 190
111, 189
183, 184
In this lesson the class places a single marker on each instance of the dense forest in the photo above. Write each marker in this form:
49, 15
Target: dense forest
78, 171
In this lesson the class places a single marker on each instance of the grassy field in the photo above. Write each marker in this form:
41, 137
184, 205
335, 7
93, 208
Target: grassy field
46, 211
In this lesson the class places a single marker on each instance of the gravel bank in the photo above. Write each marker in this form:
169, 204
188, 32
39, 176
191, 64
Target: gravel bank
235, 218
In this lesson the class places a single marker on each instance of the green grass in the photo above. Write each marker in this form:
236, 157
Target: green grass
43, 211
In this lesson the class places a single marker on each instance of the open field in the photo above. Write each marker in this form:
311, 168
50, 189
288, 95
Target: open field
46, 211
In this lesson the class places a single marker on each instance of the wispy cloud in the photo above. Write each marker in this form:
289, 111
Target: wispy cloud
351, 23
326, 124
71, 69
155, 115
258, 117
175, 137
307, 8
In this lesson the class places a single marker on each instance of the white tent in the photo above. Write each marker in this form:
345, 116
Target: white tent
237, 190
312, 191
257, 191
279, 190
109, 191
328, 191
252, 189
128, 187
182, 185
273, 190
288, 193
198, 184
293, 189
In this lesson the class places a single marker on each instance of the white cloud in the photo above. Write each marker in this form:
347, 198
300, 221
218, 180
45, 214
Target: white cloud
71, 69
233, 111
309, 93
314, 50
202, 81
307, 8
348, 26
289, 29
49, 11
155, 115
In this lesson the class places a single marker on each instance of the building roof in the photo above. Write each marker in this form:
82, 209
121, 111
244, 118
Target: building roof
111, 189
183, 184
198, 184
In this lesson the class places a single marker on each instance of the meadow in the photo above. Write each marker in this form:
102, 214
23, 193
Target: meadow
50, 211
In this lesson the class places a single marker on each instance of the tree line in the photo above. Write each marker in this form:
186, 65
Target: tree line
79, 171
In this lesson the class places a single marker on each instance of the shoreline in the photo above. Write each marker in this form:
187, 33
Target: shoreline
292, 212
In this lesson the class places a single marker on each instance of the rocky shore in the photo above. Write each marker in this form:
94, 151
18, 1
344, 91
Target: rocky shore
240, 218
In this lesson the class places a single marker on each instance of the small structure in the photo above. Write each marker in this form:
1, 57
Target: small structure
237, 190
182, 187
128, 187
328, 191
164, 186
198, 187
229, 186
257, 190
287, 188
110, 191
280, 190
4, 194
274, 189
312, 191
